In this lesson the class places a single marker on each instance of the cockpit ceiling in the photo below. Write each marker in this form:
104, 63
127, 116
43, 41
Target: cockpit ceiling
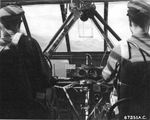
31, 2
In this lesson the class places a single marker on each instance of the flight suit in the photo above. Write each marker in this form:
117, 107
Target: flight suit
131, 65
23, 72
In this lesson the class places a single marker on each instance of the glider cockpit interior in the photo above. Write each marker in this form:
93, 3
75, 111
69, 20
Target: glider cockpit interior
77, 69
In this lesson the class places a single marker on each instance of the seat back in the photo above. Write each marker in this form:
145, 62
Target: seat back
135, 84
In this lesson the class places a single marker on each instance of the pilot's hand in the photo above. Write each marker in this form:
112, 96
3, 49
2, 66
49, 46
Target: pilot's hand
103, 82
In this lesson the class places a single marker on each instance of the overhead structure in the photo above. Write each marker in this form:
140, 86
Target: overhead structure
82, 13
63, 32
87, 71
31, 2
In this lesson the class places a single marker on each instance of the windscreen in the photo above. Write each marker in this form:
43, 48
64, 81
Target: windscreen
45, 20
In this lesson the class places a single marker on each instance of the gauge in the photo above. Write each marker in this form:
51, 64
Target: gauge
93, 73
82, 73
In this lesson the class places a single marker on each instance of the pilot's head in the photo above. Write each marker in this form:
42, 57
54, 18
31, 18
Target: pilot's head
10, 18
139, 13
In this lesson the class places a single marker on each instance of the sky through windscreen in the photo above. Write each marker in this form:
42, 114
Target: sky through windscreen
45, 20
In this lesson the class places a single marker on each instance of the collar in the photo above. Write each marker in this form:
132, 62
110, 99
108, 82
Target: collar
141, 35
6, 42
16, 38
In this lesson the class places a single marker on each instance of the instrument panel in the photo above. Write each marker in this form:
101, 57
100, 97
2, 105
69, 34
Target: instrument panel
85, 72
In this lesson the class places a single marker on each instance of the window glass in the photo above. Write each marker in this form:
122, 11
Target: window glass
84, 36
43, 24
43, 21
118, 20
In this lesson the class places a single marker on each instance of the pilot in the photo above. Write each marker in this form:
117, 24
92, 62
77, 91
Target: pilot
129, 64
24, 72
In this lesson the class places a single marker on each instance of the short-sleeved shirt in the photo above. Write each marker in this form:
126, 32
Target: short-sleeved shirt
23, 72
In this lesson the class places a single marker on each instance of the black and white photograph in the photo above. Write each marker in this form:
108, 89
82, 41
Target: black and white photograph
75, 59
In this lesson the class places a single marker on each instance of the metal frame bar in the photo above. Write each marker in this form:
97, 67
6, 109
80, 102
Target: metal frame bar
66, 29
66, 55
78, 58
62, 7
32, 2
99, 17
58, 32
71, 103
106, 20
26, 26
102, 32
59, 40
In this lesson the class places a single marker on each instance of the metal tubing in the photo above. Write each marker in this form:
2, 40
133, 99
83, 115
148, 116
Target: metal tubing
32, 2
95, 107
63, 19
106, 19
58, 32
76, 112
26, 25
102, 32
66, 29
99, 17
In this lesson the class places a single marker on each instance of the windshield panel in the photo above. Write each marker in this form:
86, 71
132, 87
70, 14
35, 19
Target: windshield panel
45, 20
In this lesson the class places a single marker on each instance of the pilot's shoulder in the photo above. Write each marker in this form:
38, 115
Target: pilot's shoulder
121, 50
124, 49
26, 39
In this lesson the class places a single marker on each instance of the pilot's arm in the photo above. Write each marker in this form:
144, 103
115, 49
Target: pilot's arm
111, 71
111, 68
